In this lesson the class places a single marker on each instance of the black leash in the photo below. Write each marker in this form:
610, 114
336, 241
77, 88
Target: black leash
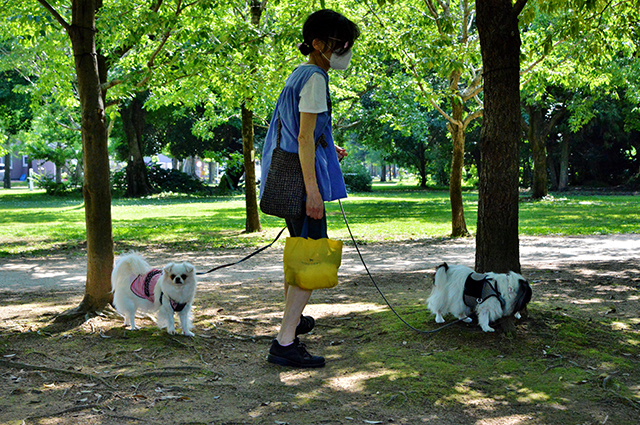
247, 257
378, 288
344, 216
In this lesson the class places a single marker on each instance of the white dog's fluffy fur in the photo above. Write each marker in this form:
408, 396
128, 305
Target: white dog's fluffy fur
177, 282
447, 296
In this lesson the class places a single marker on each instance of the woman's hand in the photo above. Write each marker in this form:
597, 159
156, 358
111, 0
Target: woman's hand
315, 205
342, 152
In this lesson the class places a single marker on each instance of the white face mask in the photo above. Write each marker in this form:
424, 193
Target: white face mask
339, 61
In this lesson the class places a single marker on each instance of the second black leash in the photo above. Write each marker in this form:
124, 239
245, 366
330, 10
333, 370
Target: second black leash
344, 216
247, 257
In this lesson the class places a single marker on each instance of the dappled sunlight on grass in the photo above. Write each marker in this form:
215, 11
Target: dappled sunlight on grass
354, 381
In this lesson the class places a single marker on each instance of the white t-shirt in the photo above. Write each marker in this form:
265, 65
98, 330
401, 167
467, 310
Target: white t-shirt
313, 97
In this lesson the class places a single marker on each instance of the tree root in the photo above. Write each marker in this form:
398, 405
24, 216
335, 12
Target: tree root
17, 365
62, 412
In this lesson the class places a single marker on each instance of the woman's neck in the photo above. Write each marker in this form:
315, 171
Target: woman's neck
316, 58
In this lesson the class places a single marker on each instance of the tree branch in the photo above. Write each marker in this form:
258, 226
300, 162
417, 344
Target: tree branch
471, 117
55, 14
444, 114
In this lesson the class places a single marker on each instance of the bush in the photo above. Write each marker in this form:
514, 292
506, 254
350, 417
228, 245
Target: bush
356, 177
48, 183
162, 180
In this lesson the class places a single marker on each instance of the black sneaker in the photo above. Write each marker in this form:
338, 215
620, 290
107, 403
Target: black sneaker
305, 326
295, 355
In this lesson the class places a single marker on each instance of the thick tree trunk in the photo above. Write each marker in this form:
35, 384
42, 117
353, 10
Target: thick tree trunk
251, 198
497, 244
97, 188
133, 122
458, 223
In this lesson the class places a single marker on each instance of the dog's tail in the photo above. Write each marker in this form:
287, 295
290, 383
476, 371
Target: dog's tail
128, 265
441, 274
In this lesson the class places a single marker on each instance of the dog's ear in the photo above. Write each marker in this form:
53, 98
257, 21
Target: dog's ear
188, 267
445, 265
167, 268
523, 295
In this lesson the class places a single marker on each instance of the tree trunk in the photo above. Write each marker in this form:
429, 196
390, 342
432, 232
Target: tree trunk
7, 171
252, 223
563, 180
58, 173
133, 122
422, 165
537, 138
458, 223
553, 174
96, 188
189, 167
251, 198
497, 244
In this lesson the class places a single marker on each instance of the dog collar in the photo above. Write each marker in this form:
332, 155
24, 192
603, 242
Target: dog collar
175, 305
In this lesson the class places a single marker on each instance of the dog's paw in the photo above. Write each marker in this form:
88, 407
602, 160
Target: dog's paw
439, 318
467, 319
488, 329
188, 333
518, 315
171, 331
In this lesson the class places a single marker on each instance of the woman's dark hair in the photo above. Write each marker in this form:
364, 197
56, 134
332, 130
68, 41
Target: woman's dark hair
332, 28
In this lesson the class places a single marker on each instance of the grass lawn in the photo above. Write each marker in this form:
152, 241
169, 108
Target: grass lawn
32, 223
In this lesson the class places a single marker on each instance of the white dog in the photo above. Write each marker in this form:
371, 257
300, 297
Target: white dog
137, 286
460, 291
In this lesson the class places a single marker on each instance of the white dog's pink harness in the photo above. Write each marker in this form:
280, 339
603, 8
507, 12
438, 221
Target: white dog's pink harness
144, 284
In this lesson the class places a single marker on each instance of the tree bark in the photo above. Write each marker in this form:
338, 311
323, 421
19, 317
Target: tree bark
497, 244
97, 187
133, 122
251, 199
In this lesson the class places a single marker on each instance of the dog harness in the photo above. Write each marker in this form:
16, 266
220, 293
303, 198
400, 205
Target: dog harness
478, 288
144, 284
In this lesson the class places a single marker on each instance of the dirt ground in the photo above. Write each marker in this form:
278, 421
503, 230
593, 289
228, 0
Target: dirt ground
377, 371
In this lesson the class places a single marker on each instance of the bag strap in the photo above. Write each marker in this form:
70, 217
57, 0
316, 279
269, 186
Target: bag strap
304, 233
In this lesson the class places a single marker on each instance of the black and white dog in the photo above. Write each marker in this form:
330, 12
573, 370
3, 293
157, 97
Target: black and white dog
461, 291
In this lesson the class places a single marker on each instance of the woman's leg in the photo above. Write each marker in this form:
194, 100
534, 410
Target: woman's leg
295, 302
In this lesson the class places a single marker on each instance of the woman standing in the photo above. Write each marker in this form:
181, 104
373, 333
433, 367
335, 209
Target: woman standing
303, 118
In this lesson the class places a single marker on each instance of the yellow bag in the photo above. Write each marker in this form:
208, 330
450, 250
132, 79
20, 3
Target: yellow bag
312, 263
